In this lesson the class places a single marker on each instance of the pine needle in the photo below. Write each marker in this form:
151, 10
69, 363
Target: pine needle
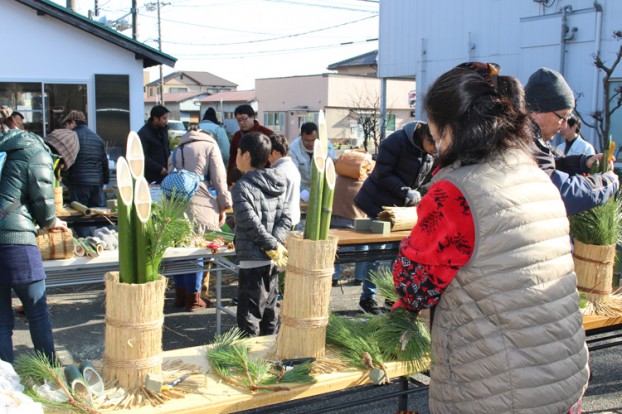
601, 225
383, 279
354, 340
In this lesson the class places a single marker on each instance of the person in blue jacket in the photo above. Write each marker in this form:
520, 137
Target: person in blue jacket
210, 124
550, 103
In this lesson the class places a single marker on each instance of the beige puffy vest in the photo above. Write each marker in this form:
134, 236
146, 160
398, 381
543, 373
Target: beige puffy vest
507, 334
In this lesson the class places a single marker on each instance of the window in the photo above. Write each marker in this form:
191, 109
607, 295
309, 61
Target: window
43, 104
390, 126
178, 90
112, 111
274, 120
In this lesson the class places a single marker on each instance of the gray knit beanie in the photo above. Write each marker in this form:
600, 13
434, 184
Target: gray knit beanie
547, 91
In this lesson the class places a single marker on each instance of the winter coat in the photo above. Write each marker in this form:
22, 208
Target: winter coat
401, 162
233, 174
302, 159
292, 189
261, 213
220, 135
202, 156
579, 193
579, 146
91, 164
27, 176
156, 149
507, 334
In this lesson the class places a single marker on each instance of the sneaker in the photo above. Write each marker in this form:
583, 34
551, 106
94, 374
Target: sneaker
335, 282
357, 282
369, 306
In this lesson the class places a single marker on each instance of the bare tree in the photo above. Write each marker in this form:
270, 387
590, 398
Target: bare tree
612, 99
365, 110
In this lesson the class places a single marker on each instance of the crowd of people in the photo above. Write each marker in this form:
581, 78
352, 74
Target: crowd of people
490, 253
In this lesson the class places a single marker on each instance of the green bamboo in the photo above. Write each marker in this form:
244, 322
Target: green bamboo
328, 192
312, 226
125, 207
142, 213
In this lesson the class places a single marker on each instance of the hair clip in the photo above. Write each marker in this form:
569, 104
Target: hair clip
488, 71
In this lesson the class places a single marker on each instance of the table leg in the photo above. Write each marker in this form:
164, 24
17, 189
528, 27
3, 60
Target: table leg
218, 300
402, 404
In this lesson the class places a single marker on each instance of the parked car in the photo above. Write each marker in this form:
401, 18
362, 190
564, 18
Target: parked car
176, 128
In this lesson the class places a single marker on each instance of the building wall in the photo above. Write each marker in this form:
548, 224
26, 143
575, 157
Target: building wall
60, 53
301, 97
521, 36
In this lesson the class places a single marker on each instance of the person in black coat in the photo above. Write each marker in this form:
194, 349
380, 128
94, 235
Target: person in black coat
154, 137
403, 163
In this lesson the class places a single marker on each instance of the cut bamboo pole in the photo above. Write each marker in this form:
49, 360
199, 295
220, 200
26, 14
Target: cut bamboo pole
328, 192
135, 155
142, 214
312, 225
306, 297
401, 218
125, 208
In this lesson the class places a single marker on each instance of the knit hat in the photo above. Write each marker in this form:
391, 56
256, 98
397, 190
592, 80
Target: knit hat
547, 91
65, 143
77, 116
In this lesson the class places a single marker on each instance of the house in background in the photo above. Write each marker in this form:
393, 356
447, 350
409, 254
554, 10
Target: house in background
188, 81
224, 103
182, 105
61, 60
349, 99
520, 36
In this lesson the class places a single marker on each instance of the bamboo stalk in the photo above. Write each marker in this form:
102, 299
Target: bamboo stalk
125, 207
142, 213
312, 226
328, 192
135, 155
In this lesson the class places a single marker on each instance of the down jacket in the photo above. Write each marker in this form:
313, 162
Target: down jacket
261, 213
507, 335
27, 176
156, 149
201, 155
220, 136
91, 165
401, 162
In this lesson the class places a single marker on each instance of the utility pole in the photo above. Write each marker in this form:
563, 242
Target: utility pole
150, 7
96, 9
134, 12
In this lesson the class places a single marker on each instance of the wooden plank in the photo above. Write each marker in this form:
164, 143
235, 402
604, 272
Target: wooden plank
217, 397
350, 237
595, 321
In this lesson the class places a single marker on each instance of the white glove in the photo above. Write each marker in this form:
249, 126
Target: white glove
304, 195
413, 197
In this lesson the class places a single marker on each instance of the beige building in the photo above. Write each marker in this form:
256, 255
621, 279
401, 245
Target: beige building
347, 101
188, 81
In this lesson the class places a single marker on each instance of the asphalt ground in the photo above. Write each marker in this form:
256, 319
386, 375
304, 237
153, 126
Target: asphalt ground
78, 323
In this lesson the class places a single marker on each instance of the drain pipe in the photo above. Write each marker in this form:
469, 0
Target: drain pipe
597, 39
566, 34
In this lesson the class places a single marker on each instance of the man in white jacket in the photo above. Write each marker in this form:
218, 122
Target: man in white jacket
278, 159
573, 143
301, 152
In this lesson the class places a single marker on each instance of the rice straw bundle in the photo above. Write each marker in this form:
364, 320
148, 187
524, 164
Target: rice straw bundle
401, 218
594, 269
304, 314
134, 319
58, 199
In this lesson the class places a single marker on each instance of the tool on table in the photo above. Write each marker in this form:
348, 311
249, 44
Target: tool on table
171, 384
290, 363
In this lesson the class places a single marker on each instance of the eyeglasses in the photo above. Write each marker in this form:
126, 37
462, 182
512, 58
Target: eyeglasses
562, 118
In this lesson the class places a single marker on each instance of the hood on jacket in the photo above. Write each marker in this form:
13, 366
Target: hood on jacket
269, 181
197, 136
409, 129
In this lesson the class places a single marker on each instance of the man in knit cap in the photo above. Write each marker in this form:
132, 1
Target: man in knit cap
89, 173
64, 143
550, 103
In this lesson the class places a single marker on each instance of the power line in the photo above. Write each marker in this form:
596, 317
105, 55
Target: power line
307, 4
274, 38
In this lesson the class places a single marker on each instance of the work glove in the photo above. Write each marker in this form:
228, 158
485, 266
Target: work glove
304, 195
278, 256
413, 197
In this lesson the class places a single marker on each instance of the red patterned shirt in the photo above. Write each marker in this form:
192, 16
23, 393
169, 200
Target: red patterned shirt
438, 246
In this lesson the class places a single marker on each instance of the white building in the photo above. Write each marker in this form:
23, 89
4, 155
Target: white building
422, 39
55, 60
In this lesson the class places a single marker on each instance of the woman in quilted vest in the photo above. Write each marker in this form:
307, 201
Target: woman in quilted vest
491, 251
198, 152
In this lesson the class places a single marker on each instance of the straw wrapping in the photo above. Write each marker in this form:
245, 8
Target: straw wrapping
318, 322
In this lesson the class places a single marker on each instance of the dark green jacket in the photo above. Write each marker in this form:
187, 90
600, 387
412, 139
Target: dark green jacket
27, 175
